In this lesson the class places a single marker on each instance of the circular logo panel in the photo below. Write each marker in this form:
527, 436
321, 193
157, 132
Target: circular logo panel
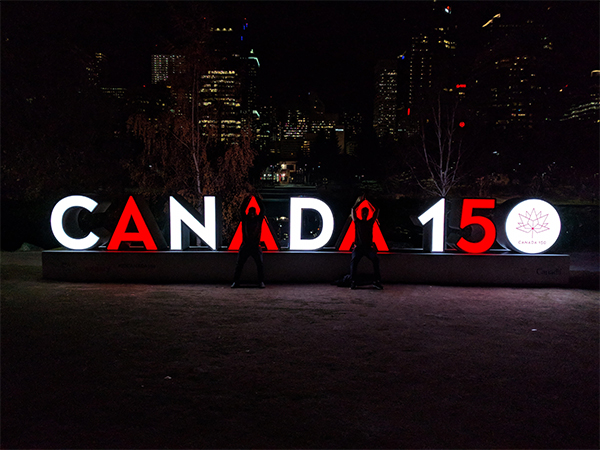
533, 226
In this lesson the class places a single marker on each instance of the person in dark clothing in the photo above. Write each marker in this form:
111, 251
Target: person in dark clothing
363, 243
251, 229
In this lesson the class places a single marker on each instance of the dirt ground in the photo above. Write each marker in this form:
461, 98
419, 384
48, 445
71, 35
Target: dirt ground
295, 366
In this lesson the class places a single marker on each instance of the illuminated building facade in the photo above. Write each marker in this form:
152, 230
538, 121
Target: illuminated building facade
295, 125
294, 128
386, 98
164, 66
96, 68
431, 55
117, 92
221, 103
322, 122
512, 75
268, 132
514, 94
353, 126
420, 66
585, 108
319, 122
229, 93
303, 122
250, 84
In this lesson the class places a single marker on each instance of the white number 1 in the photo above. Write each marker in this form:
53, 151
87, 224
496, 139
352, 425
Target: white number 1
437, 214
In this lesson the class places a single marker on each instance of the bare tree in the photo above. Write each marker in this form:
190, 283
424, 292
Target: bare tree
182, 152
176, 143
440, 149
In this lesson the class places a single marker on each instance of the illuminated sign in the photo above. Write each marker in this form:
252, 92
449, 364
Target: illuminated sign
185, 218
519, 227
532, 226
146, 230
266, 235
350, 230
64, 222
436, 215
527, 226
297, 205
468, 218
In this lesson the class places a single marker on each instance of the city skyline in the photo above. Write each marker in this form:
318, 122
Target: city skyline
330, 48
515, 83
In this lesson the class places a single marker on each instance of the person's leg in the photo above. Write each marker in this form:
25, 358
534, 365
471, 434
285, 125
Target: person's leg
353, 264
357, 254
241, 260
257, 255
372, 255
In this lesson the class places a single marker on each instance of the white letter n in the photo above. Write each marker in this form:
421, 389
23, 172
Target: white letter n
181, 216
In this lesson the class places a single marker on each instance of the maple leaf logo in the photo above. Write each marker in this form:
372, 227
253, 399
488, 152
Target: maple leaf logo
532, 222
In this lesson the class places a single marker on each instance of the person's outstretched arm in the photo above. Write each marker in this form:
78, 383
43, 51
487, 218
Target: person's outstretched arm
358, 201
243, 207
375, 214
261, 205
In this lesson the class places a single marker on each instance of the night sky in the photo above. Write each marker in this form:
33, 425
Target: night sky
326, 47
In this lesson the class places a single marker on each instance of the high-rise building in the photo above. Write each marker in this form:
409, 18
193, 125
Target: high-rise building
96, 69
229, 92
584, 107
295, 125
420, 66
249, 71
164, 66
117, 92
353, 124
512, 73
386, 98
268, 131
221, 103
431, 56
98, 76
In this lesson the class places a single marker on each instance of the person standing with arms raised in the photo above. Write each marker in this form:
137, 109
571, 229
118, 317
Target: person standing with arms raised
363, 242
251, 230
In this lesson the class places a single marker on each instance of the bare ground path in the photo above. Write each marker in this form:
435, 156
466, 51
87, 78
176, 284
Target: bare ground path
295, 366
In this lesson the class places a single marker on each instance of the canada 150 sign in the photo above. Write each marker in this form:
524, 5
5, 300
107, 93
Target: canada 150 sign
526, 226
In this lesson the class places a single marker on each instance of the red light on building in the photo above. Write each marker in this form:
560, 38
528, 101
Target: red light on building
459, 86
408, 112
461, 124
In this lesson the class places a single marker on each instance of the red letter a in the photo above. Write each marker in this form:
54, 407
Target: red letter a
345, 243
143, 233
266, 234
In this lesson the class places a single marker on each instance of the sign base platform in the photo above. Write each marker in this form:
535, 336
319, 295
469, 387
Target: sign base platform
199, 266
